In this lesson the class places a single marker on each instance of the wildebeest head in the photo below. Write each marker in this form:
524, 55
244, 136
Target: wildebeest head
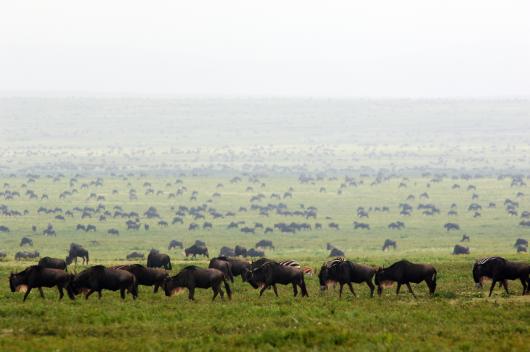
69, 259
323, 277
257, 276
477, 275
18, 280
173, 285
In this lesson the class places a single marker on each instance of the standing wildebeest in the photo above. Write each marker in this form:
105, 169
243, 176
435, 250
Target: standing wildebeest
460, 250
389, 243
135, 255
76, 250
264, 244
272, 273
27, 255
227, 252
113, 232
521, 242
451, 226
155, 259
465, 238
52, 263
500, 270
98, 278
193, 277
346, 272
26, 241
335, 252
175, 244
522, 249
196, 250
146, 276
3, 254
223, 265
38, 277
255, 253
240, 251
200, 243
405, 272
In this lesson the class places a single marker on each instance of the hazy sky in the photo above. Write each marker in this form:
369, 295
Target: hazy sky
289, 48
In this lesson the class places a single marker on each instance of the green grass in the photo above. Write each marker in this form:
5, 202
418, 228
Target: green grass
459, 317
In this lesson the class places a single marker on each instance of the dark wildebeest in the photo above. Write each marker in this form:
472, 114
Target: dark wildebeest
521, 242
265, 244
76, 251
389, 243
522, 249
272, 273
3, 254
451, 226
135, 255
329, 246
196, 250
223, 265
193, 277
335, 252
227, 252
460, 250
346, 272
175, 244
255, 253
26, 255
500, 270
38, 277
239, 266
405, 272
26, 241
98, 278
240, 251
113, 232
52, 263
155, 259
200, 243
465, 238
146, 276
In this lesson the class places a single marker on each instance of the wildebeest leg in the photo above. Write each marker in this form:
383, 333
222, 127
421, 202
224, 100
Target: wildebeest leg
191, 293
295, 290
275, 290
215, 292
493, 282
351, 289
41, 292
89, 293
410, 289
523, 282
61, 294
122, 293
340, 289
505, 285
398, 288
155, 290
263, 290
26, 294
372, 287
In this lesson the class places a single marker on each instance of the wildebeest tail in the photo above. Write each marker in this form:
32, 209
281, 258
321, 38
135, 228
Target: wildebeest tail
227, 288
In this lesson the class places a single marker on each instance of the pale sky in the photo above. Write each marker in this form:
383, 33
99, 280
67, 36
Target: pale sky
309, 48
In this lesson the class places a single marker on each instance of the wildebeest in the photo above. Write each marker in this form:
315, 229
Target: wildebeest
27, 255
3, 254
37, 276
175, 244
239, 267
26, 241
75, 251
335, 252
521, 242
135, 255
389, 243
192, 277
155, 259
196, 250
345, 272
52, 263
465, 238
272, 273
98, 278
522, 249
500, 270
113, 232
240, 251
451, 226
227, 252
460, 250
146, 276
265, 244
223, 265
253, 253
405, 272
200, 243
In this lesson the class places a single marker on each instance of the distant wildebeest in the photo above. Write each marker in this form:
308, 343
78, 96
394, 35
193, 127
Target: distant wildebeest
360, 225
38, 277
196, 250
3, 255
451, 226
389, 243
335, 252
522, 249
135, 255
113, 232
146, 276
175, 244
80, 227
460, 250
77, 251
521, 242
98, 278
405, 272
90, 228
52, 263
345, 272
465, 238
200, 243
4, 228
223, 265
192, 277
26, 241
227, 252
253, 253
240, 251
272, 273
500, 270
155, 259
329, 246
27, 255
265, 244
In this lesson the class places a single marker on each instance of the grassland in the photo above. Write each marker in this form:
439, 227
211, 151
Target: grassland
459, 317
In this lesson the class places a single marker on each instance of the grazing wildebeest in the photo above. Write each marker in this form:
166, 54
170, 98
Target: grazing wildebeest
113, 232
196, 250
522, 249
76, 250
26, 241
405, 272
460, 250
264, 244
146, 276
200, 243
52, 263
240, 251
335, 252
90, 228
223, 265
98, 278
389, 243
38, 277
135, 255
80, 227
500, 270
192, 277
255, 253
155, 259
346, 272
465, 238
521, 242
175, 244
27, 255
451, 226
272, 273
329, 246
227, 252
